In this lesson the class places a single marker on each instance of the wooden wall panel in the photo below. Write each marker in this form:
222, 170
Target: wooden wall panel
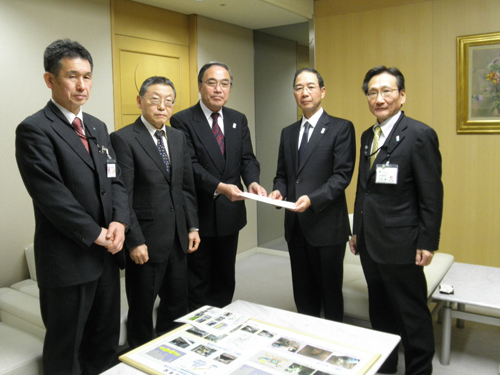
151, 41
420, 39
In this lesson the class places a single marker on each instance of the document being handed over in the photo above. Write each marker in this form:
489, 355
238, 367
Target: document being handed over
274, 202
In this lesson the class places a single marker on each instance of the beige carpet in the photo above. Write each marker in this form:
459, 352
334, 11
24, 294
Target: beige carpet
265, 278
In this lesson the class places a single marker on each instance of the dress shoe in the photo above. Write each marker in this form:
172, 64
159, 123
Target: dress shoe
387, 370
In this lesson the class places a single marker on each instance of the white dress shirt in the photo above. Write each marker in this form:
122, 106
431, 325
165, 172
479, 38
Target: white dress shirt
313, 120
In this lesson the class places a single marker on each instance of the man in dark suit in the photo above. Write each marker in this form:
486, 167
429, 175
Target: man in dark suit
397, 218
81, 211
222, 155
315, 165
156, 166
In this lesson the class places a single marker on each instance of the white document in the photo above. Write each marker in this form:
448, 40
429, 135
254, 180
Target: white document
267, 200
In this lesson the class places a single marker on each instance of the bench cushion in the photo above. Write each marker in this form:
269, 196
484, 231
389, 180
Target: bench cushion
20, 352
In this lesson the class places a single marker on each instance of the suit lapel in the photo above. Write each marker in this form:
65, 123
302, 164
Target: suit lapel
393, 140
66, 131
318, 132
294, 145
147, 143
231, 131
207, 138
175, 152
90, 132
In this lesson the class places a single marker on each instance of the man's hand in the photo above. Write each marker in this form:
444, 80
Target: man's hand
232, 192
275, 195
116, 234
194, 241
255, 188
424, 257
102, 240
353, 245
139, 254
302, 204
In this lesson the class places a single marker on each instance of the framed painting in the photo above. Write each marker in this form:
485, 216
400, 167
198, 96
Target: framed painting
478, 83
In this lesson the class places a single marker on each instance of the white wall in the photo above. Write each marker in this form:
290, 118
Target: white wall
27, 27
233, 45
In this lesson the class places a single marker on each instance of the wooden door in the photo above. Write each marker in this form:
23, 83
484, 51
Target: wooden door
137, 59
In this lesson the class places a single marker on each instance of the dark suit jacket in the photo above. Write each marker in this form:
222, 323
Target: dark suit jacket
218, 215
72, 196
161, 204
323, 176
399, 219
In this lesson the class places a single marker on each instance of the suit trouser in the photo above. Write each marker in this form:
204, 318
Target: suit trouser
83, 324
168, 280
397, 296
317, 275
211, 272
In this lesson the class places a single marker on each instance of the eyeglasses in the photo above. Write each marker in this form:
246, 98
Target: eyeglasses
310, 88
156, 101
212, 83
385, 93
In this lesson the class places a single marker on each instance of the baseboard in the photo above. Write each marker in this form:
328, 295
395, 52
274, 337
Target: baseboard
261, 250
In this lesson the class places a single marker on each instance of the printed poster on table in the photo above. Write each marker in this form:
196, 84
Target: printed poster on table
250, 348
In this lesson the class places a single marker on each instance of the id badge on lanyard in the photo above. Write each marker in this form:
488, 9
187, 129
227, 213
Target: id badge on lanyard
386, 174
110, 163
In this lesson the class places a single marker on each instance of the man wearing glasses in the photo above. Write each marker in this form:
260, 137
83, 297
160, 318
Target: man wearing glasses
315, 164
397, 219
222, 156
157, 171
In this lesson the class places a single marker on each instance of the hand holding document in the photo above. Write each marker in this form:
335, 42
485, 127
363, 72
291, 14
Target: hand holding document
274, 202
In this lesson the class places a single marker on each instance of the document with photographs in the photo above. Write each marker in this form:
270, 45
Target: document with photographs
253, 348
213, 320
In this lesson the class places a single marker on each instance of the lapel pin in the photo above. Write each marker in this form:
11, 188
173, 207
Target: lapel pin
397, 138
234, 125
323, 131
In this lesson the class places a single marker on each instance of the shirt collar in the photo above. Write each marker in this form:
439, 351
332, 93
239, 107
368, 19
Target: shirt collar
208, 112
70, 116
388, 124
151, 129
313, 120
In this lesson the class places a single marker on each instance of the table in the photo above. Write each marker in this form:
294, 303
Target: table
474, 285
361, 338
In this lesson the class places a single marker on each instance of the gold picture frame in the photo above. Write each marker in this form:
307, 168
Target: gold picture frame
478, 84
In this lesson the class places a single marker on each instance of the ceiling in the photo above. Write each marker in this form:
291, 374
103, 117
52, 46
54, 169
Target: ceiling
272, 19
252, 14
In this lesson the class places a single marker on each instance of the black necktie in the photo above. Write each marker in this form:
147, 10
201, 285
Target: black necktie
303, 142
161, 149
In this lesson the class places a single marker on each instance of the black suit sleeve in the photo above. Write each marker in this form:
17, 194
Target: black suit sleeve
38, 165
344, 158
281, 180
188, 188
125, 160
250, 167
426, 159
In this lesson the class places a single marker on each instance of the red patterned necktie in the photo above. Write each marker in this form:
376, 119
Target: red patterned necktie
219, 136
77, 124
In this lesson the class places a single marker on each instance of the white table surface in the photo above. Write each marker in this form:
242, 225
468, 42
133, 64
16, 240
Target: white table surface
473, 284
362, 338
